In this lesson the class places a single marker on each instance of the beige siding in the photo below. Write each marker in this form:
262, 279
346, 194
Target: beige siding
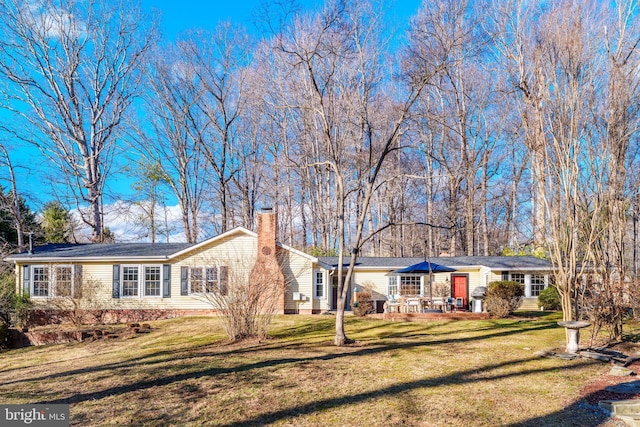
237, 252
99, 276
375, 279
298, 273
496, 276
322, 304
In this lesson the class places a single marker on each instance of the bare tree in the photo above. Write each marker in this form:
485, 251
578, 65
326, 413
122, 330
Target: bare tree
555, 66
167, 134
73, 69
11, 201
336, 66
619, 116
219, 62
512, 24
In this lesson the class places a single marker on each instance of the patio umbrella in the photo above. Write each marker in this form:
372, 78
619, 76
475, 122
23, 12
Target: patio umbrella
422, 269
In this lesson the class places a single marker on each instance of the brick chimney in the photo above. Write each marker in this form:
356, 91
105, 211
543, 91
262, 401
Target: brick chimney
267, 270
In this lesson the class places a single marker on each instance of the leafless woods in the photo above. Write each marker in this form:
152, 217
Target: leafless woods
480, 128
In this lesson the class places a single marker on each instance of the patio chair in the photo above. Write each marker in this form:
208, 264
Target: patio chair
413, 305
451, 304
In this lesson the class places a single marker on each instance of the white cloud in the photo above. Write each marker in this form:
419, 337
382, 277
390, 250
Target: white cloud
55, 22
129, 223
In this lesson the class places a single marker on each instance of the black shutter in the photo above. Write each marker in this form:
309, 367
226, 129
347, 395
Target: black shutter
116, 281
77, 281
26, 280
184, 280
166, 281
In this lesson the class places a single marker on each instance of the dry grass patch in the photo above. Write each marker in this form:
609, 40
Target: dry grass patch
466, 373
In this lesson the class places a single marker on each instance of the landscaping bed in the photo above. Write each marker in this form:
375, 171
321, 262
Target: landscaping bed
61, 334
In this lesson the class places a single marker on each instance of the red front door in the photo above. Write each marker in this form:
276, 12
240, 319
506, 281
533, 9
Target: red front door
460, 289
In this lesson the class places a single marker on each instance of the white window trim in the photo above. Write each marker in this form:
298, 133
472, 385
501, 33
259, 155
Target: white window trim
53, 279
315, 284
203, 268
396, 286
122, 295
142, 291
143, 284
33, 282
545, 283
52, 284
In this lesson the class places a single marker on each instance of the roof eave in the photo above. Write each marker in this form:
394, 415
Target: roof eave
298, 252
33, 259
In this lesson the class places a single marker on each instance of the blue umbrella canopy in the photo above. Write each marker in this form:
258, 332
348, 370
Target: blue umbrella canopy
424, 267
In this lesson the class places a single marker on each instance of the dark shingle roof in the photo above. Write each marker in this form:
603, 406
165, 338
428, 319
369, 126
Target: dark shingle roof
103, 250
493, 262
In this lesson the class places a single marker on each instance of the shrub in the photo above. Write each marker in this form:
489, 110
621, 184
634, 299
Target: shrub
364, 304
549, 298
503, 297
7, 297
22, 306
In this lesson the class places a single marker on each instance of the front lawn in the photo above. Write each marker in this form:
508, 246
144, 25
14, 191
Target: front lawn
455, 373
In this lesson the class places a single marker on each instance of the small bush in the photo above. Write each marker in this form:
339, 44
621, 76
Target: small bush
22, 306
364, 304
549, 298
503, 297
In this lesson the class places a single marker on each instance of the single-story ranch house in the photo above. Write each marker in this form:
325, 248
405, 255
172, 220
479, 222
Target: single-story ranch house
176, 277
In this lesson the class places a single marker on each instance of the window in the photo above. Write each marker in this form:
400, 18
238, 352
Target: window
208, 280
139, 281
40, 281
409, 285
517, 277
392, 288
195, 279
51, 281
319, 284
64, 281
537, 284
129, 281
152, 281
211, 285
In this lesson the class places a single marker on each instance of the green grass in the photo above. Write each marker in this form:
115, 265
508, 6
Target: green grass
460, 373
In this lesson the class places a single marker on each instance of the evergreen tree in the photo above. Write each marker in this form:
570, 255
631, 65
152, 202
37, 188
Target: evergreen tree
56, 223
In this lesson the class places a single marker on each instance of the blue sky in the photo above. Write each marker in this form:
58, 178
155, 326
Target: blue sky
178, 16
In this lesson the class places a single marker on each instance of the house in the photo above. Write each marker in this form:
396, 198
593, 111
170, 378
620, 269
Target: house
471, 272
174, 279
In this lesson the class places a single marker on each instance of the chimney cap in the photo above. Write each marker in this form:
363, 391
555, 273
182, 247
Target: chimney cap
268, 209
